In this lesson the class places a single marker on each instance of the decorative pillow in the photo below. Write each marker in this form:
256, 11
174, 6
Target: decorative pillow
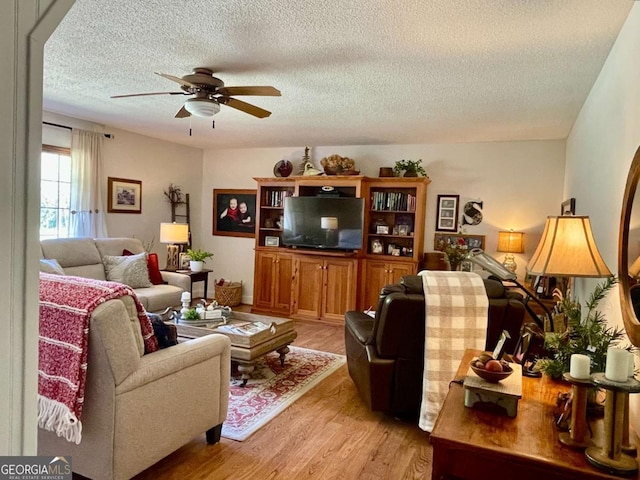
130, 270
154, 269
51, 266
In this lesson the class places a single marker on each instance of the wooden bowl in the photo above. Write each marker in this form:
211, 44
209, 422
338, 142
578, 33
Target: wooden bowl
489, 376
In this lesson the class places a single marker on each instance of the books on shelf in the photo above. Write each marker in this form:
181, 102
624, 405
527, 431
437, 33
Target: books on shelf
246, 328
393, 201
276, 197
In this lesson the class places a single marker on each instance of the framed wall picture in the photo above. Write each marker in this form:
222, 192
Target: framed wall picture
124, 196
568, 207
442, 240
447, 213
234, 213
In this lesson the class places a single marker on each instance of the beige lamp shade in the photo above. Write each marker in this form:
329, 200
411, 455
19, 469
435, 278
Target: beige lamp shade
174, 233
511, 242
329, 223
567, 249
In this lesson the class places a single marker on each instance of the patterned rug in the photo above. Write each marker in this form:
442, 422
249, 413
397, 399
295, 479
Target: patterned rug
272, 388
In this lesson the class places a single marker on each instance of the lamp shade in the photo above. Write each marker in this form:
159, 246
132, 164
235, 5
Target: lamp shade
567, 249
511, 242
174, 233
329, 223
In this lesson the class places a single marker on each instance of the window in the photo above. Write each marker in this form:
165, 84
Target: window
55, 192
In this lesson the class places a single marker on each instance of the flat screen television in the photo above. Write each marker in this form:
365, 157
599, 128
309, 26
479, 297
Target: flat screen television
323, 222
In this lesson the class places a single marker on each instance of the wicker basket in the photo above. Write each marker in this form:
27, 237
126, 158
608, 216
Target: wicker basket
229, 295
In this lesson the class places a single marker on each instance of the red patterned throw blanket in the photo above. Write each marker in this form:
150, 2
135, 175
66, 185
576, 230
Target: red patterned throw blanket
66, 305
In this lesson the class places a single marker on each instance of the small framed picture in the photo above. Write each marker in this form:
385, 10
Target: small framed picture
395, 252
377, 247
124, 195
403, 230
568, 207
447, 213
382, 230
183, 261
272, 241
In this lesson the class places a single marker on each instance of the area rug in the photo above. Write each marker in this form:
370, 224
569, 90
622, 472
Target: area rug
272, 388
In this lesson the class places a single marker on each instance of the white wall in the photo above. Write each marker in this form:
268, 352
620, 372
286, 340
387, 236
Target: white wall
599, 151
520, 183
152, 161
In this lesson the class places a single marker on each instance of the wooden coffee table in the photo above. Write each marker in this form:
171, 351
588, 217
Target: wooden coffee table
246, 350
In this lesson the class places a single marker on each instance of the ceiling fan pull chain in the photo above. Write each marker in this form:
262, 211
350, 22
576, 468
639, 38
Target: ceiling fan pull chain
213, 124
189, 126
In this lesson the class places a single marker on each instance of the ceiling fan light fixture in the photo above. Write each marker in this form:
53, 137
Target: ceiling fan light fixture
202, 107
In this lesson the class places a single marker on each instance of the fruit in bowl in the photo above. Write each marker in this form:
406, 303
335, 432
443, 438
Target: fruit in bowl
490, 369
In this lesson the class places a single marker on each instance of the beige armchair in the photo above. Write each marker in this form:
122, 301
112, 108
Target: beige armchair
140, 408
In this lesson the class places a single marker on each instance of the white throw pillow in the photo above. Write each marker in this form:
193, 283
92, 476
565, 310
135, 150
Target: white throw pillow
131, 270
51, 266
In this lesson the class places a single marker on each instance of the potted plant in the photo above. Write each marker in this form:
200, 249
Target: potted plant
410, 168
198, 258
588, 335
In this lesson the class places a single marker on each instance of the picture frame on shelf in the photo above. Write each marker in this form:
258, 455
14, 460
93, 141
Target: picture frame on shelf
441, 240
234, 212
403, 230
568, 207
124, 195
271, 241
447, 213
376, 247
382, 229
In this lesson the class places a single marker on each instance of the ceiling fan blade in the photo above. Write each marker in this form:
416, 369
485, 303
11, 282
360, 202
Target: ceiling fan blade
245, 107
262, 91
173, 78
146, 94
182, 113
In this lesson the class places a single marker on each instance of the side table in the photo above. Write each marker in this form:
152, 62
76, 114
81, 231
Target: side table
202, 276
474, 444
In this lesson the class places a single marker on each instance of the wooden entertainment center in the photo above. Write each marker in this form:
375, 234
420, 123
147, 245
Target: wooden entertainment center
320, 284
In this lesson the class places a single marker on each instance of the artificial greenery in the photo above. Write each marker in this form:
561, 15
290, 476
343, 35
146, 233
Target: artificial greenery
199, 255
191, 314
589, 335
409, 167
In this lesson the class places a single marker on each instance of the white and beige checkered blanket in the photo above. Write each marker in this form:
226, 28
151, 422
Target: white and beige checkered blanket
456, 319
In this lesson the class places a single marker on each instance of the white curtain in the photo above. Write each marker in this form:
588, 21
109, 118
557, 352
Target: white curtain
87, 212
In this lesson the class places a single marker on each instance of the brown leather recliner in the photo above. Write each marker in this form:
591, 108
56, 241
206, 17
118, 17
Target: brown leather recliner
385, 354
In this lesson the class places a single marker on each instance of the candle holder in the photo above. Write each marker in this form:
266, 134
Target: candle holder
610, 456
577, 436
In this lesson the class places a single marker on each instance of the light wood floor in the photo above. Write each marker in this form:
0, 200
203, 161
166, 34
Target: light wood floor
326, 434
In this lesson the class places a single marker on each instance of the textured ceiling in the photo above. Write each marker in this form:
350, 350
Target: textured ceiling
353, 72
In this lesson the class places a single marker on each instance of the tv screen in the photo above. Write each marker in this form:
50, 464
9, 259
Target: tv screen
323, 222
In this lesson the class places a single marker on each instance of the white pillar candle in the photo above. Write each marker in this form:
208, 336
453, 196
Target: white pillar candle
632, 364
186, 297
580, 366
617, 368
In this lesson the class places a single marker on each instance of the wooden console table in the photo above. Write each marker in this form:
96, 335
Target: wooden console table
479, 445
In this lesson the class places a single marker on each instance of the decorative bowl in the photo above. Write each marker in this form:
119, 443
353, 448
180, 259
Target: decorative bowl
490, 376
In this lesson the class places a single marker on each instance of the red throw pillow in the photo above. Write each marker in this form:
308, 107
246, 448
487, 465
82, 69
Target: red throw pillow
152, 266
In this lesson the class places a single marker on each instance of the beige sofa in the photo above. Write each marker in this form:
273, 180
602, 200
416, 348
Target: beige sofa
83, 257
140, 408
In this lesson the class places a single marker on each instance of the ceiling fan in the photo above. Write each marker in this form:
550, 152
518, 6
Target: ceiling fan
209, 93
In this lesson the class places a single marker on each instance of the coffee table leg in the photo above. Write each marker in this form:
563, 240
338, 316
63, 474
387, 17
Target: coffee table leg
245, 370
283, 351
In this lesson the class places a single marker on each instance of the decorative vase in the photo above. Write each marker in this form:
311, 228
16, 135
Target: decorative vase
196, 266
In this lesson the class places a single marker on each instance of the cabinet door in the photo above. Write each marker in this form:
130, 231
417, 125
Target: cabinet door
282, 283
375, 276
264, 280
307, 286
339, 289
398, 270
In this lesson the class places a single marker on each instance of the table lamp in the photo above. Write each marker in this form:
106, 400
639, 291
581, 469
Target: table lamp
510, 242
330, 226
567, 249
173, 234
